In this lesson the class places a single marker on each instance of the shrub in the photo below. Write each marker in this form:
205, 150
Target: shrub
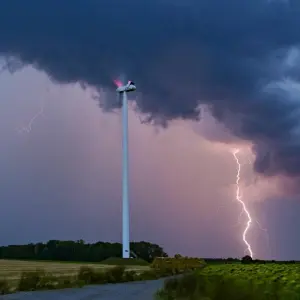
115, 274
181, 288
40, 280
149, 275
90, 276
130, 276
4, 287
68, 282
213, 287
86, 274
30, 281
172, 266
118, 261
247, 259
99, 277
47, 282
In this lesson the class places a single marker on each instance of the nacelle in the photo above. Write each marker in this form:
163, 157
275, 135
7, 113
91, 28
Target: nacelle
129, 87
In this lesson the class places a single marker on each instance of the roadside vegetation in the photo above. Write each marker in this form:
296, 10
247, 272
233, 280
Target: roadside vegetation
246, 280
42, 279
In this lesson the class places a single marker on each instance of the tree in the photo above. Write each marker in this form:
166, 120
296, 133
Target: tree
79, 251
247, 259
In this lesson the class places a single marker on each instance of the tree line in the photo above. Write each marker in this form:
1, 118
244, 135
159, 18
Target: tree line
80, 251
247, 260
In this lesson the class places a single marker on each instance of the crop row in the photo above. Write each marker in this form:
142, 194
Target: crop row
287, 274
237, 281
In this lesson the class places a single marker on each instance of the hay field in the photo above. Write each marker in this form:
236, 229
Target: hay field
12, 269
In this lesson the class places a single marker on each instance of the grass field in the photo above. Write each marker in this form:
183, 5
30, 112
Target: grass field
236, 282
12, 269
287, 274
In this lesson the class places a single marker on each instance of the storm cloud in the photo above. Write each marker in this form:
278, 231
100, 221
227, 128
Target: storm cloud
238, 57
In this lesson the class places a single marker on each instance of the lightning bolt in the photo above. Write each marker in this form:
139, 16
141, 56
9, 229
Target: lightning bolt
240, 200
31, 121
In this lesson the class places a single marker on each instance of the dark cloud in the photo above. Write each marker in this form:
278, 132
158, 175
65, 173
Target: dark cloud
226, 54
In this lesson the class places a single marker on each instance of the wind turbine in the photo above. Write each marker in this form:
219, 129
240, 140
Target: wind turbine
122, 90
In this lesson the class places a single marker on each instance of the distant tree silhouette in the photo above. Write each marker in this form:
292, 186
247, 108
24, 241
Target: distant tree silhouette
79, 251
247, 259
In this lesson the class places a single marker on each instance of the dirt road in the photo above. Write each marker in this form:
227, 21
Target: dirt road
143, 290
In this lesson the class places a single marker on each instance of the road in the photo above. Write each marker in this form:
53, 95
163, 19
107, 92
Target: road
142, 290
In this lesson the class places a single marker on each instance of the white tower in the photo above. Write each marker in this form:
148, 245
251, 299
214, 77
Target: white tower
123, 89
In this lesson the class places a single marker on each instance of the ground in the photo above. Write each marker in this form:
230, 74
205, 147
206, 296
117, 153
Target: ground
11, 269
143, 290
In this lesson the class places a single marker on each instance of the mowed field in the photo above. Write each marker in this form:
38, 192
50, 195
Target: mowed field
11, 269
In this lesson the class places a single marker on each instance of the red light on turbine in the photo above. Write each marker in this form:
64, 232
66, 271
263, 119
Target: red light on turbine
118, 83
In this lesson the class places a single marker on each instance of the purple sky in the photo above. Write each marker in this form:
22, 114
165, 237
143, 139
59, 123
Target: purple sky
63, 179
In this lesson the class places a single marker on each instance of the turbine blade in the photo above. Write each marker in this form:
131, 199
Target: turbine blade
123, 79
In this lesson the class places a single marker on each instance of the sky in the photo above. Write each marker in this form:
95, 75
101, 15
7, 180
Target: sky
211, 77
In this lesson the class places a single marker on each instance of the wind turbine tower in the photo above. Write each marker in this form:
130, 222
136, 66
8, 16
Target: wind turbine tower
122, 90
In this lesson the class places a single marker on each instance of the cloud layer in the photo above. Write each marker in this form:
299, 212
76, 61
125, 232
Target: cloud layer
238, 57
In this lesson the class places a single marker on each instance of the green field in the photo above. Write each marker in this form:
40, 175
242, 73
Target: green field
11, 269
237, 282
288, 274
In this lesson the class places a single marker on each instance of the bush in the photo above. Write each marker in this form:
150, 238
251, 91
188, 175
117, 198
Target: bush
130, 276
40, 280
115, 274
47, 282
149, 275
247, 259
176, 265
89, 275
117, 261
213, 287
30, 281
4, 287
99, 277
86, 274
64, 282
